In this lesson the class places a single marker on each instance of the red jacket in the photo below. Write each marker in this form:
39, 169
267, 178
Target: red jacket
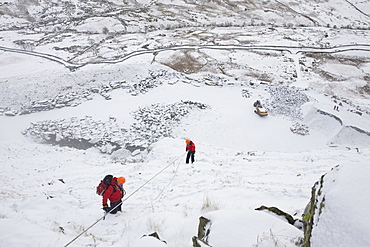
190, 146
113, 193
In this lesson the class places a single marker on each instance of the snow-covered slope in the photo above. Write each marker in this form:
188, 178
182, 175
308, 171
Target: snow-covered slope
132, 80
243, 161
336, 210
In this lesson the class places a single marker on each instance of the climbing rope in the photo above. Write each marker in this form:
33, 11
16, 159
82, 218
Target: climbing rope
174, 175
105, 214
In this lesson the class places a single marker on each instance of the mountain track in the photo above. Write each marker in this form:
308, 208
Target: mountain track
358, 9
290, 49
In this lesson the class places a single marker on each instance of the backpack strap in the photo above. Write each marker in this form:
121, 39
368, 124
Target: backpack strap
105, 190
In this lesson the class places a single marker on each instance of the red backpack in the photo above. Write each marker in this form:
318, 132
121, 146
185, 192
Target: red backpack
103, 185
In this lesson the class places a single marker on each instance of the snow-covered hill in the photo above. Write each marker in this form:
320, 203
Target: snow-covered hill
93, 88
323, 44
243, 161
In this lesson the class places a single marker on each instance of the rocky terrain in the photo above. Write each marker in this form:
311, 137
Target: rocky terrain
152, 123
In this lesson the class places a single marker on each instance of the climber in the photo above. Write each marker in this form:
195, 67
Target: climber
190, 148
113, 192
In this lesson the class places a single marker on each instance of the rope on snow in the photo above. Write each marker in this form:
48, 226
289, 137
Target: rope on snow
103, 217
177, 168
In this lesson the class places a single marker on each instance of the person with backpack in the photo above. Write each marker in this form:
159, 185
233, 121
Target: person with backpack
190, 148
111, 188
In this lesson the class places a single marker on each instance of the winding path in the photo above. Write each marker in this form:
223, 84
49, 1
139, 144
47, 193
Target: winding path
316, 23
359, 10
290, 49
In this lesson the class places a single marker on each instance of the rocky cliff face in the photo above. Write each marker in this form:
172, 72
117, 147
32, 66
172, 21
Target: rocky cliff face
338, 210
337, 214
201, 240
313, 209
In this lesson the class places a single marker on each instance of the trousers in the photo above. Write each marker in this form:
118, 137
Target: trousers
190, 156
113, 204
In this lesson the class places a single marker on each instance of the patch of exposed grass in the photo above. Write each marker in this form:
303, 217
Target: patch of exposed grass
187, 62
209, 204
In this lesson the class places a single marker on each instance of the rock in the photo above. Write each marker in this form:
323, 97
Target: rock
311, 209
78, 133
10, 113
338, 207
300, 129
203, 231
278, 212
286, 101
158, 120
155, 235
136, 152
246, 93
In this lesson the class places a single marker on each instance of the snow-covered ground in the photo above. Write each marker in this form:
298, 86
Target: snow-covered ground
243, 161
299, 59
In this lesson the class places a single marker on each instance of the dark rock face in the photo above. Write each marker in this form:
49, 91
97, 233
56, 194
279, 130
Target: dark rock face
313, 209
203, 232
278, 212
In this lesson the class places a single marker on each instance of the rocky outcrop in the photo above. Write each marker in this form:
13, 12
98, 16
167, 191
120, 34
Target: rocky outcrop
313, 210
233, 227
152, 123
80, 133
351, 136
341, 132
156, 121
155, 235
201, 240
71, 97
286, 101
289, 218
330, 115
300, 129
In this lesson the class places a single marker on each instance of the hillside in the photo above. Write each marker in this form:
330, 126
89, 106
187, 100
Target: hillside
90, 88
309, 43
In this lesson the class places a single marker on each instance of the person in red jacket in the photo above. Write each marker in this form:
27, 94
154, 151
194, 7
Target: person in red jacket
190, 148
113, 193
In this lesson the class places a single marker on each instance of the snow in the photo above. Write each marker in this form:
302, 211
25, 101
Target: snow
339, 208
245, 225
98, 24
243, 161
